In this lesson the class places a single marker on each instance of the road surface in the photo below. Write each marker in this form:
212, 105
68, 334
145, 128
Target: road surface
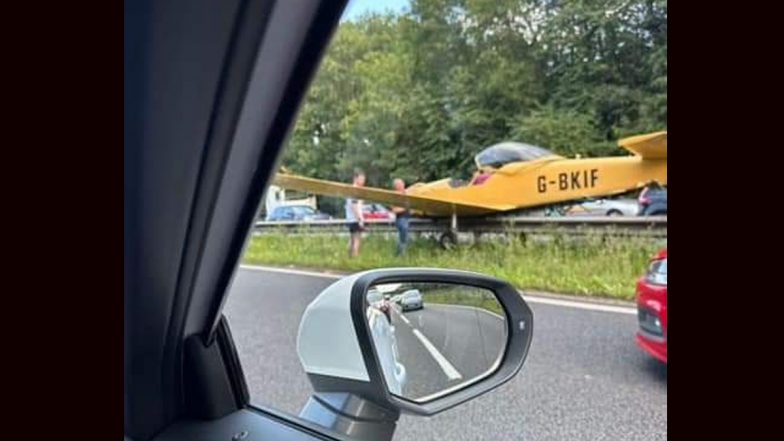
443, 346
584, 379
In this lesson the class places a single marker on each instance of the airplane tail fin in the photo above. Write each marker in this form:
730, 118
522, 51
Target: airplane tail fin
649, 146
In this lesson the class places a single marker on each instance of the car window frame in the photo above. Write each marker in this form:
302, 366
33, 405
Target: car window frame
153, 397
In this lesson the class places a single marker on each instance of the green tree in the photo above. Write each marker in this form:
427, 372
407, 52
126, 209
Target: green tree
418, 94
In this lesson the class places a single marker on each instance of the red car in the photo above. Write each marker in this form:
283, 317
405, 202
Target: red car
375, 211
652, 308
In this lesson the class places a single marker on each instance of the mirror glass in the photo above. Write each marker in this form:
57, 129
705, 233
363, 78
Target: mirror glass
433, 339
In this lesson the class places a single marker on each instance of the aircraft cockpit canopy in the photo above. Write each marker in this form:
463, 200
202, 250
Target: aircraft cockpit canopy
498, 155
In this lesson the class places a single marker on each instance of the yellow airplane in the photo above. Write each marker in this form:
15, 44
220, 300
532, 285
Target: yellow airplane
515, 176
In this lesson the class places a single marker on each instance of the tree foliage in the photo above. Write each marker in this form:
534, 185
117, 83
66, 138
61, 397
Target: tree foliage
415, 95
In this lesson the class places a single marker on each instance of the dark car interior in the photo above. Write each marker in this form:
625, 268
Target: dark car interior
211, 91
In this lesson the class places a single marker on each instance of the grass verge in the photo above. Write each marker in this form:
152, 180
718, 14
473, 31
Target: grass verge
591, 266
466, 296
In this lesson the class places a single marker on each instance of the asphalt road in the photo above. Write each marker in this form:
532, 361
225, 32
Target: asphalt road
467, 342
584, 379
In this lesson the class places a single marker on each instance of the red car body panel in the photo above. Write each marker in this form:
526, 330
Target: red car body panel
369, 212
652, 299
370, 215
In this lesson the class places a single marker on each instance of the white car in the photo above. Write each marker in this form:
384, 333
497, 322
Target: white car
410, 300
605, 207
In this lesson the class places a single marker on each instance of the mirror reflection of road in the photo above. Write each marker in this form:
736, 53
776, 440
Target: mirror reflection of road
445, 345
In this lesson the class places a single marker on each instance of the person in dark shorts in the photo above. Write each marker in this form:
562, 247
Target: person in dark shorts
402, 216
356, 224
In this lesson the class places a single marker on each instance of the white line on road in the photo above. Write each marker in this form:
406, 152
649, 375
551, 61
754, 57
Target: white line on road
581, 305
528, 298
292, 271
443, 363
446, 366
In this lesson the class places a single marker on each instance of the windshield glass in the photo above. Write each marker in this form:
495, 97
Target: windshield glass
501, 154
659, 267
468, 108
302, 210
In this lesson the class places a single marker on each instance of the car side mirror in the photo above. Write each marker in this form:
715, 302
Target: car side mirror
413, 340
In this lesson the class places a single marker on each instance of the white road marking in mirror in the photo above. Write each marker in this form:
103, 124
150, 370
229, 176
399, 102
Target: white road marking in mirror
445, 365
403, 318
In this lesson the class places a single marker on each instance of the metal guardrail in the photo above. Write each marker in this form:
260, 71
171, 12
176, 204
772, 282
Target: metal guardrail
651, 226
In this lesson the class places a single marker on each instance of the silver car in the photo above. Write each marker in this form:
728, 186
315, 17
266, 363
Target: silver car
411, 300
605, 207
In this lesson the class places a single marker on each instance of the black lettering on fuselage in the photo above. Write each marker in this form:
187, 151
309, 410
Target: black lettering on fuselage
541, 184
575, 180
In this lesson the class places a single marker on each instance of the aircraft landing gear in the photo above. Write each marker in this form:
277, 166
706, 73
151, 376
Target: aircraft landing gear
448, 240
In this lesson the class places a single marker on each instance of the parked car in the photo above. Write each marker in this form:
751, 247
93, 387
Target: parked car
411, 300
605, 207
652, 308
297, 213
653, 201
376, 211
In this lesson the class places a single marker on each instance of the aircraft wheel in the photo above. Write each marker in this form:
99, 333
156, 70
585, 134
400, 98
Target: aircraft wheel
448, 240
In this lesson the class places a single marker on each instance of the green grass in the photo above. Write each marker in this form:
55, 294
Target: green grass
590, 266
465, 296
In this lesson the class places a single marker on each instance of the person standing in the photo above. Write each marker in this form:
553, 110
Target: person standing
402, 217
354, 219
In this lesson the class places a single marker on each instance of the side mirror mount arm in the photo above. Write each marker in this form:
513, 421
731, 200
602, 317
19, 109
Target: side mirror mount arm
351, 415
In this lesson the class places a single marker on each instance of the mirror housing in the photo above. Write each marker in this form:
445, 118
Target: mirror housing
338, 354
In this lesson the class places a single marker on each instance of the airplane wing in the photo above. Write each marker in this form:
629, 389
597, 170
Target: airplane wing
428, 206
649, 146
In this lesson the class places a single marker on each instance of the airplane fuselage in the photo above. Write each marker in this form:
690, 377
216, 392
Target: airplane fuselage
552, 180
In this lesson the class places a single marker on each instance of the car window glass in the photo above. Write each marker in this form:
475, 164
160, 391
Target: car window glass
426, 91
